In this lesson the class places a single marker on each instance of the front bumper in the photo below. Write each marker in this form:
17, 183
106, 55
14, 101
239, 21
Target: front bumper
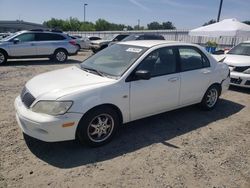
45, 127
240, 79
225, 85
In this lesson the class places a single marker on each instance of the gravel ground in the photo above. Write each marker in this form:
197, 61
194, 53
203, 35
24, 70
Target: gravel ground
181, 148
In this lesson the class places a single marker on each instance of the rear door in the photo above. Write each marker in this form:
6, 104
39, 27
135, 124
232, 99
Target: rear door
25, 47
48, 42
195, 74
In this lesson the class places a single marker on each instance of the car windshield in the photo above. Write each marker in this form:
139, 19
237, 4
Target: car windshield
241, 49
114, 60
130, 37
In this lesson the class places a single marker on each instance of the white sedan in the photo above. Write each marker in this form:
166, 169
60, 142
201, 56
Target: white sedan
238, 60
123, 83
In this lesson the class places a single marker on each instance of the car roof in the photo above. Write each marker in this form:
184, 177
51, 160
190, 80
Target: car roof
150, 43
248, 41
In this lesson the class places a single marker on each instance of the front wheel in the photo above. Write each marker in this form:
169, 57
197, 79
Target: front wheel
60, 55
210, 98
98, 126
3, 58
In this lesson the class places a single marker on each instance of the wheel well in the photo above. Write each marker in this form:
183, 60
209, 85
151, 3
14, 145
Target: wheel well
4, 51
61, 49
218, 85
101, 106
111, 106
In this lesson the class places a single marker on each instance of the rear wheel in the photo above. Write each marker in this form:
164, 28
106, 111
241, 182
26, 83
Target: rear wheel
98, 126
3, 57
210, 98
61, 55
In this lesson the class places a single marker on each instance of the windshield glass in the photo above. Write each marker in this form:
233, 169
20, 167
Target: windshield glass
130, 37
114, 60
241, 49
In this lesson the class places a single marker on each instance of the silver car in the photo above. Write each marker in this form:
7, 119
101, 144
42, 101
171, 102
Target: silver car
37, 44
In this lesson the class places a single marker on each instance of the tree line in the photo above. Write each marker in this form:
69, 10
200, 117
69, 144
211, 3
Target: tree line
73, 24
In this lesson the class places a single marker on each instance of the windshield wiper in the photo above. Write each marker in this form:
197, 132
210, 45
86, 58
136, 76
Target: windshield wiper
93, 71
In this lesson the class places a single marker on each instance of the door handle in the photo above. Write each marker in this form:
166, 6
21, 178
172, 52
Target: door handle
206, 71
174, 79
32, 44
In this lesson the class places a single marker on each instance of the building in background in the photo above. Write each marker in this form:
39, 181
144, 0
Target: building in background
18, 25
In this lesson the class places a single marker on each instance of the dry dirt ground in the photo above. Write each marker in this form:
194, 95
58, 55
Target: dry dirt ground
182, 148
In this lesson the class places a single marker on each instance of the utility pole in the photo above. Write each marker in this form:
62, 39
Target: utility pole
85, 4
218, 18
138, 24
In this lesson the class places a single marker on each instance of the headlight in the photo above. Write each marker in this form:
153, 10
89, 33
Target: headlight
247, 71
52, 107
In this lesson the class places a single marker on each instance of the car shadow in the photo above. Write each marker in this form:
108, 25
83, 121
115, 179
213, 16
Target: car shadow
132, 136
38, 62
240, 89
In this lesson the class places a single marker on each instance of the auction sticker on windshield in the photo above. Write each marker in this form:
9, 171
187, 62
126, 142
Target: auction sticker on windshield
135, 50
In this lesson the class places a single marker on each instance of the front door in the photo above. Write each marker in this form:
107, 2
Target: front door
159, 93
25, 47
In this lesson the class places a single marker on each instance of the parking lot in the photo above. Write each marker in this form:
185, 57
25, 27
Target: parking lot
182, 148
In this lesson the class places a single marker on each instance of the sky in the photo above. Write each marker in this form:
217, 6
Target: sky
185, 14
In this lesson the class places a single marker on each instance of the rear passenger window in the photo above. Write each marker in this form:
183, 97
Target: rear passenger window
48, 37
192, 59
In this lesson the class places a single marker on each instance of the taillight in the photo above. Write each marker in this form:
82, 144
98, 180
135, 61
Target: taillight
73, 42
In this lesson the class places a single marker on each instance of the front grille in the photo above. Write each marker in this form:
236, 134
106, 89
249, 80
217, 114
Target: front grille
27, 98
247, 83
236, 80
241, 69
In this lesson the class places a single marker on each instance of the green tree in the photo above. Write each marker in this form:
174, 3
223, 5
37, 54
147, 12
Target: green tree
102, 25
168, 25
154, 26
209, 22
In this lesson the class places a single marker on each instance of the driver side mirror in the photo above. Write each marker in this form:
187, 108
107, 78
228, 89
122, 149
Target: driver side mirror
16, 40
142, 75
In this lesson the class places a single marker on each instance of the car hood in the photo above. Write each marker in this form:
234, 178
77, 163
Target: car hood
237, 60
55, 84
100, 41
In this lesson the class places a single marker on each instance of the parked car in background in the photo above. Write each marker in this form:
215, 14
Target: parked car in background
98, 45
3, 35
141, 37
122, 83
81, 42
33, 44
94, 38
238, 60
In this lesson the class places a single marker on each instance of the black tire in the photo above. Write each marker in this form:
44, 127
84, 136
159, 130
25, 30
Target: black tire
3, 57
60, 55
90, 126
210, 98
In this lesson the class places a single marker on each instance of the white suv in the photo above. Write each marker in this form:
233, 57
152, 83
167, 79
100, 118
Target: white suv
34, 44
122, 83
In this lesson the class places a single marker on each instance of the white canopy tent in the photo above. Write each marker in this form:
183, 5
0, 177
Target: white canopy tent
228, 27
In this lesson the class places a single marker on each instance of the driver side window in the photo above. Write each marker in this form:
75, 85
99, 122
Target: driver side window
160, 62
27, 37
